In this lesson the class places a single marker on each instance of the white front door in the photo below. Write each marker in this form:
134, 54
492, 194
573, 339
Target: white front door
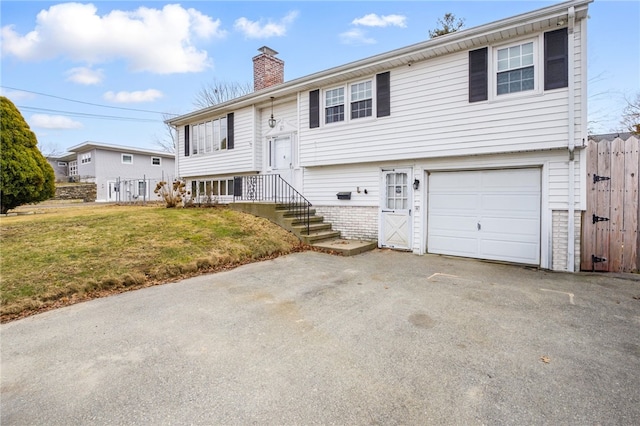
281, 158
395, 211
113, 194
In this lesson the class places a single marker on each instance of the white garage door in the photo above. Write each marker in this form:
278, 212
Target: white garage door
486, 214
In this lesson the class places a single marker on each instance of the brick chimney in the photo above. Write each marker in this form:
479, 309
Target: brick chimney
267, 69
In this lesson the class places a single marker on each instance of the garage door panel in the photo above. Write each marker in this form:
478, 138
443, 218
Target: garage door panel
510, 229
453, 202
509, 251
488, 214
452, 182
502, 180
508, 204
455, 245
451, 223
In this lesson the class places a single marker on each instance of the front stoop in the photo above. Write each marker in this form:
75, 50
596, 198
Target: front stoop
346, 247
320, 236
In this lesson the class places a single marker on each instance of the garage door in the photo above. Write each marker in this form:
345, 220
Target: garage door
487, 214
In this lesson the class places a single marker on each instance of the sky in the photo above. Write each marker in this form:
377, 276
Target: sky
110, 71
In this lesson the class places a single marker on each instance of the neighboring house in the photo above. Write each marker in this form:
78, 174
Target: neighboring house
121, 173
60, 165
468, 144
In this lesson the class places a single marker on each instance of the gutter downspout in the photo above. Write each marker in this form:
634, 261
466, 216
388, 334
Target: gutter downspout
571, 134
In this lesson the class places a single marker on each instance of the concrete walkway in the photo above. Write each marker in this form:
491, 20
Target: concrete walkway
380, 338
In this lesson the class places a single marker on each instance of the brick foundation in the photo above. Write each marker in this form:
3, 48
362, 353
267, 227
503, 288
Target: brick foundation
352, 222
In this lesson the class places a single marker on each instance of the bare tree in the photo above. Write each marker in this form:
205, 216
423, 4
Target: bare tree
50, 149
217, 92
631, 115
166, 141
448, 24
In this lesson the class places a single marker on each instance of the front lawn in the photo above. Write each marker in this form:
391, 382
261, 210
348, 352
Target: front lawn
66, 255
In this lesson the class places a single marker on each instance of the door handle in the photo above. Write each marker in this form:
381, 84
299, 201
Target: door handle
479, 226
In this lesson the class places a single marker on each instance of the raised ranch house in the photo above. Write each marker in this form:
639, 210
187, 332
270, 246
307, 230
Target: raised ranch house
468, 144
121, 173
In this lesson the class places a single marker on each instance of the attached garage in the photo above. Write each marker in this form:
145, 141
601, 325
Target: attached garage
485, 214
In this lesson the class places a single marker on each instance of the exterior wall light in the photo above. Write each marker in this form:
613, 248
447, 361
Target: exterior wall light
416, 184
272, 121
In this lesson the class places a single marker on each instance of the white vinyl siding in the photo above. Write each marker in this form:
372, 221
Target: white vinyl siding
430, 100
225, 161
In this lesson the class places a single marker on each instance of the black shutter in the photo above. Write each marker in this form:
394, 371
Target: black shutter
314, 109
237, 186
230, 131
186, 141
478, 76
383, 94
556, 59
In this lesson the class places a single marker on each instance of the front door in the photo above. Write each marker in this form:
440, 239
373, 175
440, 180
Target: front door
395, 212
280, 160
114, 191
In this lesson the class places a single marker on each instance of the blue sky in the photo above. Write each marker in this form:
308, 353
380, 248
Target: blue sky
124, 63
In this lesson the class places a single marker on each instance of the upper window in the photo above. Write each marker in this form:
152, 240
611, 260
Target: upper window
334, 105
361, 97
515, 69
209, 136
127, 159
85, 158
361, 100
155, 161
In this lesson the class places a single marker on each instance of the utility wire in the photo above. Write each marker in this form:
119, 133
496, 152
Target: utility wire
84, 114
88, 103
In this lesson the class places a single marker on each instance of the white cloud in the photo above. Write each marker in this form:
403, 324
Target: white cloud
373, 20
45, 121
85, 75
155, 40
16, 95
356, 37
131, 97
261, 29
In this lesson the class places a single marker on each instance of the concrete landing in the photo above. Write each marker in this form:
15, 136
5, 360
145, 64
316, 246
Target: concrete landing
346, 247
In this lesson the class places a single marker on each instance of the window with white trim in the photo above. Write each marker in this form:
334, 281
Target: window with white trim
334, 105
85, 158
204, 190
515, 70
127, 158
361, 100
156, 161
209, 136
73, 168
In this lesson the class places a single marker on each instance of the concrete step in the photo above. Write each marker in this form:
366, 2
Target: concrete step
345, 247
301, 228
290, 213
291, 221
315, 237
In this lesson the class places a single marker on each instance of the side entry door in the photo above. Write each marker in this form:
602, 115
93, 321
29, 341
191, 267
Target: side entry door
395, 209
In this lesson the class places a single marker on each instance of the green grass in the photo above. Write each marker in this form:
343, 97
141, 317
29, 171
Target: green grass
71, 254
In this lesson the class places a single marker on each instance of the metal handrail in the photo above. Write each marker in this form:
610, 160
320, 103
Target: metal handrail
274, 189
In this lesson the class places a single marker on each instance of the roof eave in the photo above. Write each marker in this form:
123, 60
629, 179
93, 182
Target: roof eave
461, 40
87, 146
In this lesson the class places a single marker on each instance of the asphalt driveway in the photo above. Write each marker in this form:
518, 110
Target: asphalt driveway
380, 338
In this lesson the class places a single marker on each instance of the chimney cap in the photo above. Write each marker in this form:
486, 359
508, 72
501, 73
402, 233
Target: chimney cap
267, 51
